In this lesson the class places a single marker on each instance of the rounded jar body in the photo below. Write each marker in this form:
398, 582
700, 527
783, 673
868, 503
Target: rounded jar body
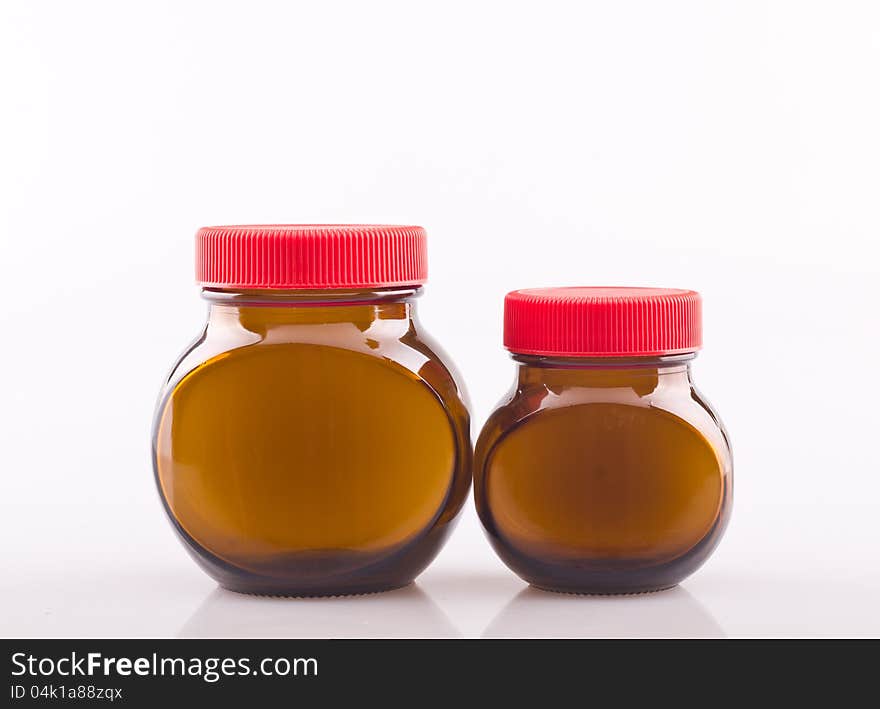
598, 476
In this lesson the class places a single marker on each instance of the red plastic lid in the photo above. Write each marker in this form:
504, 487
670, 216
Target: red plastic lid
311, 256
602, 322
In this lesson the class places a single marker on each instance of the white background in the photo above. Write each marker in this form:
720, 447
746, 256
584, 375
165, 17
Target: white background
730, 147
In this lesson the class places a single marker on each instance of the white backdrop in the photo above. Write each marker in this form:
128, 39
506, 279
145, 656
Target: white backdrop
729, 147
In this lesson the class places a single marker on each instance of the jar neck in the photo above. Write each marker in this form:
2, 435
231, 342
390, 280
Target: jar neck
264, 307
640, 373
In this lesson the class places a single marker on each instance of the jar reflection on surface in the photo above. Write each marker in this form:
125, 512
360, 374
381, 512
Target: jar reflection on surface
313, 442
603, 476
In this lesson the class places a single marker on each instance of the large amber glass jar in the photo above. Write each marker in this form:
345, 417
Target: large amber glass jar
313, 440
604, 470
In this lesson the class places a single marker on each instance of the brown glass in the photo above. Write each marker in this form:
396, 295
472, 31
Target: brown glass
603, 475
312, 443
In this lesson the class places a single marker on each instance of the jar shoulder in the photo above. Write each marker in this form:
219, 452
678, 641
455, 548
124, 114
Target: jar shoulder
410, 349
523, 403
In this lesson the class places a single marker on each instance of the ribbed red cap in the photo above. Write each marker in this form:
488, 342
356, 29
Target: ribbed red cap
602, 322
311, 256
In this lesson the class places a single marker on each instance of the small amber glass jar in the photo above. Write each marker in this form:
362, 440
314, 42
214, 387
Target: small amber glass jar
604, 470
313, 440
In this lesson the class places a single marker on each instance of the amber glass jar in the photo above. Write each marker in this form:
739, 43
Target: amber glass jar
313, 440
604, 470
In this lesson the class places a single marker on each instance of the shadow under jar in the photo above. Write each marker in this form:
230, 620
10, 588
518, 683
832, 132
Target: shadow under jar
313, 440
604, 470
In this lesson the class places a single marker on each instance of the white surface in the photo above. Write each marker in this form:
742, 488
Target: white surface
727, 147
